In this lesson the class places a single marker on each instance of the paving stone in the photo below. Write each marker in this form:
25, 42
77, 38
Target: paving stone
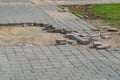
60, 62
103, 46
61, 41
83, 41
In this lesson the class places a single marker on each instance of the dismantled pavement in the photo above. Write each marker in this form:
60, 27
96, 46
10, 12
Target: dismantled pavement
56, 62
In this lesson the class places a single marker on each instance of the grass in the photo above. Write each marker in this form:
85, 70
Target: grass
110, 12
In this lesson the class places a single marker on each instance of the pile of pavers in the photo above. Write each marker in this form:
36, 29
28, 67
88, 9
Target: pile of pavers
82, 37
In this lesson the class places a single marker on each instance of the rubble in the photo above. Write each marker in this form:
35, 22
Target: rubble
95, 44
83, 41
103, 46
72, 36
61, 41
112, 30
100, 45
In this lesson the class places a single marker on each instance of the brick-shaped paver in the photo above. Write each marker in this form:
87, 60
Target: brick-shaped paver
62, 62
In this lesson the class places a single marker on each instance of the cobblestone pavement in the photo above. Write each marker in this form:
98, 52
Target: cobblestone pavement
61, 62
52, 62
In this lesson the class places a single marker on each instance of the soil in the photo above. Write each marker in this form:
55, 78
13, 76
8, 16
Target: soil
17, 35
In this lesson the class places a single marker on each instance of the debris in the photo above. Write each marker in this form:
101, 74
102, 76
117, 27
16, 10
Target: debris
72, 36
61, 41
95, 44
103, 46
112, 30
83, 41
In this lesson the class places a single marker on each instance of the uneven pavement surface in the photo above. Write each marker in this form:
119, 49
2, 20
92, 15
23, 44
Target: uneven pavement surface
60, 62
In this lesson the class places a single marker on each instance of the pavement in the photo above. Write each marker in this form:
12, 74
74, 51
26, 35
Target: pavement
60, 62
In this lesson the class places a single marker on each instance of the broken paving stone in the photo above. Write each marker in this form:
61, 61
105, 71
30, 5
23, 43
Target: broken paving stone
103, 46
61, 41
112, 30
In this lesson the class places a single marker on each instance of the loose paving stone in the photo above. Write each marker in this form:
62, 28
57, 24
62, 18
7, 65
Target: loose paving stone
103, 46
61, 41
112, 30
95, 44
83, 41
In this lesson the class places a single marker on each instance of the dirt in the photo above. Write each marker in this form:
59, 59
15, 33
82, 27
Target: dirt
17, 35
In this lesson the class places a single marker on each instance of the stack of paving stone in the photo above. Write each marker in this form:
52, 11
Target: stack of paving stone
82, 38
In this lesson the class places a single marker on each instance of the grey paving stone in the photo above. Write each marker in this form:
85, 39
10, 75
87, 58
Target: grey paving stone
61, 63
